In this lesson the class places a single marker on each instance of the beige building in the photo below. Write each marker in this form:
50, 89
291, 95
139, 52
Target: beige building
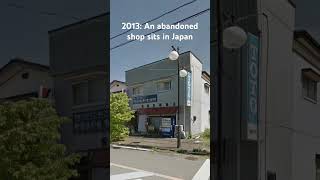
118, 86
20, 79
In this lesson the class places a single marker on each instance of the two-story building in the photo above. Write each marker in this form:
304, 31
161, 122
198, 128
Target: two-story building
78, 62
21, 80
153, 93
118, 87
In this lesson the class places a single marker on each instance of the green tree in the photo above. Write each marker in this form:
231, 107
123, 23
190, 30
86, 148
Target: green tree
120, 114
29, 143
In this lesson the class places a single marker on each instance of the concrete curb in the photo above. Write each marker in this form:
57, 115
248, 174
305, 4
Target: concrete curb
132, 148
150, 148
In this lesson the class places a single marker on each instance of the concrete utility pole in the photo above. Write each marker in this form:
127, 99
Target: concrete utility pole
218, 98
235, 155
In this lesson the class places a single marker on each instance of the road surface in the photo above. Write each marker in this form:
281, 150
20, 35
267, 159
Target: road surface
142, 165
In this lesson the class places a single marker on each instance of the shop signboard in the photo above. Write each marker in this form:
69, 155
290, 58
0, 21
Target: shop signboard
252, 79
144, 99
188, 89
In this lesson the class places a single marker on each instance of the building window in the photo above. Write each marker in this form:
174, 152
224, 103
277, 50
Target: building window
96, 90
309, 88
167, 104
164, 86
86, 122
80, 93
317, 167
90, 91
206, 88
137, 90
160, 105
25, 75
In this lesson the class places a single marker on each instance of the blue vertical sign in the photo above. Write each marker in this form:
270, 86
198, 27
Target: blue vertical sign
252, 86
188, 89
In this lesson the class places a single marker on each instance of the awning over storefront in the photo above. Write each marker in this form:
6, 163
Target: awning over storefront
158, 111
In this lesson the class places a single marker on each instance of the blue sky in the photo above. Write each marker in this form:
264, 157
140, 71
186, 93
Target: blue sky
138, 53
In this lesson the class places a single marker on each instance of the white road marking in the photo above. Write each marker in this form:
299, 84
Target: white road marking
131, 175
204, 172
140, 170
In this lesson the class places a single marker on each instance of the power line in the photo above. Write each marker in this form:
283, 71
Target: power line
180, 21
168, 12
47, 13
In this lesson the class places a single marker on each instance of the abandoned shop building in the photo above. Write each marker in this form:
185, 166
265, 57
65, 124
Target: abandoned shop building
153, 92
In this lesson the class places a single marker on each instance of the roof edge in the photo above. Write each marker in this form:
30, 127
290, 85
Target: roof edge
78, 22
305, 35
163, 60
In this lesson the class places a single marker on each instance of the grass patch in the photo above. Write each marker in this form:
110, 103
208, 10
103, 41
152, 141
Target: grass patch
182, 151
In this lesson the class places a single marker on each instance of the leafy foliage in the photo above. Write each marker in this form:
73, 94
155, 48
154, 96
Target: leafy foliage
29, 143
120, 114
206, 134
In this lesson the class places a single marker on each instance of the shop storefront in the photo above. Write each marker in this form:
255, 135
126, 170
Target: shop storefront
157, 121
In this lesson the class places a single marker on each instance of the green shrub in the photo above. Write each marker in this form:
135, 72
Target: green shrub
29, 142
206, 134
120, 115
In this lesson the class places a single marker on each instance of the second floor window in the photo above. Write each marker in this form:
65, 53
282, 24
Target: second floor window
80, 93
317, 167
206, 88
137, 90
90, 91
309, 88
164, 86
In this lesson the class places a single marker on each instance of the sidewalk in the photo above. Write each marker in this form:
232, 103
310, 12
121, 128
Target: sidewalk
190, 146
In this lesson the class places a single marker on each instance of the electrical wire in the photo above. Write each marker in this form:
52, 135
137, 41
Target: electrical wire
180, 21
47, 13
156, 18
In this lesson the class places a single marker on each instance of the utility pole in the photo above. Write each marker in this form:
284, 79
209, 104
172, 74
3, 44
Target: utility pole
178, 117
218, 98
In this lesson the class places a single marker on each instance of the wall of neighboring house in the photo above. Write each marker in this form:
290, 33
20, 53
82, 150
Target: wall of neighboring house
118, 87
196, 98
305, 141
276, 24
16, 85
205, 107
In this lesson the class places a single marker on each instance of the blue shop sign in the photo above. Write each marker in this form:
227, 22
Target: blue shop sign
145, 99
252, 86
189, 88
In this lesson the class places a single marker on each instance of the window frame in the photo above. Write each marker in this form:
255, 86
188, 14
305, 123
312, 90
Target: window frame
206, 86
309, 89
164, 81
140, 91
93, 122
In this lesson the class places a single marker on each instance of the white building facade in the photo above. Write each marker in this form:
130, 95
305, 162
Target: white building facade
289, 145
153, 91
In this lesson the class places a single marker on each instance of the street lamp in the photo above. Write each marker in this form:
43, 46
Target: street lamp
174, 56
232, 37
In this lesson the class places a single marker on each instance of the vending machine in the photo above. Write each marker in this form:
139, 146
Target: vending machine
167, 126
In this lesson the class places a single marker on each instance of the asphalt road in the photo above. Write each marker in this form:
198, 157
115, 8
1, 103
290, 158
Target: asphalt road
142, 165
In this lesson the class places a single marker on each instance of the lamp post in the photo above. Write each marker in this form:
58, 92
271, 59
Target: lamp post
174, 56
232, 37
